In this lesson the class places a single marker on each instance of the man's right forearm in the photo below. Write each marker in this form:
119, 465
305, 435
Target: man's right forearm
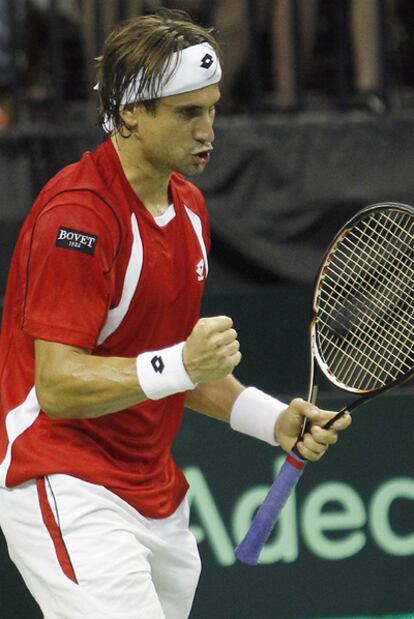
71, 383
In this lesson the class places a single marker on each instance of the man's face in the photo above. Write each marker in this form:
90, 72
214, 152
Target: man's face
179, 136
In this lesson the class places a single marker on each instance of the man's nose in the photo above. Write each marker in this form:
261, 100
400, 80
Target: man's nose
203, 130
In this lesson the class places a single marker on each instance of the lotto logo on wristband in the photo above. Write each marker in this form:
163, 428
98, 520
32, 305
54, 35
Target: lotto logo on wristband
161, 373
158, 364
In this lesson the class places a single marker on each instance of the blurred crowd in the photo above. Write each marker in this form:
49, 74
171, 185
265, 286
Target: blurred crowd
281, 56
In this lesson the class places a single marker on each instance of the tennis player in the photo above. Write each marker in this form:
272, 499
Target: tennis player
102, 345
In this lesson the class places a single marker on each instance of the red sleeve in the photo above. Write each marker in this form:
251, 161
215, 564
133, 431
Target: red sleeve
69, 268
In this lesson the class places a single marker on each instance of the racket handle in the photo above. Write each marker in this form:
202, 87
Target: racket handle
249, 549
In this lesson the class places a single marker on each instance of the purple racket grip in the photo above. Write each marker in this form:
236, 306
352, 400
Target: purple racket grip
248, 551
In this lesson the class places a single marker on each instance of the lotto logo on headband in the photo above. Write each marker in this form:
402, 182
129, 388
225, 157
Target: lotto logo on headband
207, 61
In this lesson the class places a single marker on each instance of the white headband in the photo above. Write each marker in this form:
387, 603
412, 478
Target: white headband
195, 67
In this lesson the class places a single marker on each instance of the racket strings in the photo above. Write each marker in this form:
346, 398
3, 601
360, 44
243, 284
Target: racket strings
390, 282
398, 285
377, 363
381, 299
353, 368
356, 279
359, 366
365, 314
384, 360
389, 276
393, 330
369, 364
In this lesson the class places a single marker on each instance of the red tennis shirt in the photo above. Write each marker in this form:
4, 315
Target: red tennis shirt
93, 268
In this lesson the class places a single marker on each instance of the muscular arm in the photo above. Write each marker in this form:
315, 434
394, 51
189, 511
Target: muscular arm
70, 382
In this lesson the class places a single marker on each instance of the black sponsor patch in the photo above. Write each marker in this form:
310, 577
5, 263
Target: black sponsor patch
76, 239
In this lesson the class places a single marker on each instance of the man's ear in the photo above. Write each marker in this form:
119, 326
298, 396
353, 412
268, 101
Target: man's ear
130, 117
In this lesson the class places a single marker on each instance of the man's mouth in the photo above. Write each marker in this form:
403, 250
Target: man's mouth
202, 156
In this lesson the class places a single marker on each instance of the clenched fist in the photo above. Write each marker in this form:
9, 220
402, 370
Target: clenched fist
211, 351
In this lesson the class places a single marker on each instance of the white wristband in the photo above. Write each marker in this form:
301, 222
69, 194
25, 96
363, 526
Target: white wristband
255, 413
162, 373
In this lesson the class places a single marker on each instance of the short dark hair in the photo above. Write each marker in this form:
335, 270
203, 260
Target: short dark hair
143, 45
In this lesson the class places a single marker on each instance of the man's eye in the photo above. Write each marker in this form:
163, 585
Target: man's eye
193, 112
189, 113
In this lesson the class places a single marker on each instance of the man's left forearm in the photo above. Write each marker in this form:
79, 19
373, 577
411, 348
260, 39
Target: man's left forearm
216, 398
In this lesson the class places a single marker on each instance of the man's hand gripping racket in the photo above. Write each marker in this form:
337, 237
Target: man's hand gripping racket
361, 332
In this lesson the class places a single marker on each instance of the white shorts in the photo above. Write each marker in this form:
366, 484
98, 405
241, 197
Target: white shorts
84, 552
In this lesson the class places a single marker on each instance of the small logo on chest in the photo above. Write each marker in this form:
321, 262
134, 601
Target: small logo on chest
200, 270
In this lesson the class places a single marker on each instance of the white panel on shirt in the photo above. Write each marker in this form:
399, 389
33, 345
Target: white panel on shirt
134, 268
132, 275
17, 422
198, 229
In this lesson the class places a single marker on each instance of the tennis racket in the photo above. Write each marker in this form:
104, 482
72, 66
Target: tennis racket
361, 332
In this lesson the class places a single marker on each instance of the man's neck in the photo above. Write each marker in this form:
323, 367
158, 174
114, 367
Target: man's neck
150, 185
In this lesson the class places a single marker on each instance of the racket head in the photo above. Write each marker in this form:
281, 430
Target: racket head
362, 324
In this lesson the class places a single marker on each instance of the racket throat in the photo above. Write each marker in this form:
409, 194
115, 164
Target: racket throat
312, 397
